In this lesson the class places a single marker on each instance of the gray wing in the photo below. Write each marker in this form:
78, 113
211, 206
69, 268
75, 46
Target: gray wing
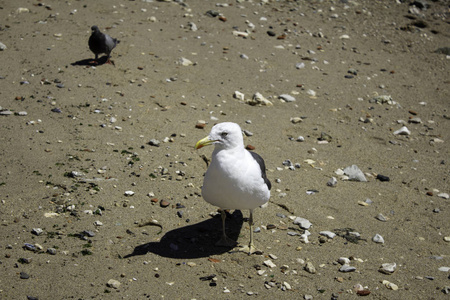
262, 165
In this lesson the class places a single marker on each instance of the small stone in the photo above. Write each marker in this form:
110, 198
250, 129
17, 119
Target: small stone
444, 269
154, 142
287, 98
328, 234
300, 65
415, 120
269, 263
388, 268
296, 120
37, 231
258, 99
309, 267
303, 223
355, 174
129, 193
164, 203
200, 124
112, 283
390, 285
24, 275
383, 178
51, 251
378, 239
347, 269
332, 182
238, 95
443, 195
402, 131
344, 261
185, 62
381, 217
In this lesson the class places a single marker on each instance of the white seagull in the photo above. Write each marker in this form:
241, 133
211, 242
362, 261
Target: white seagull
235, 179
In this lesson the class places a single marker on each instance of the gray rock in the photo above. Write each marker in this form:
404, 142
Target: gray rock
112, 283
402, 131
37, 231
328, 234
287, 98
378, 239
388, 268
303, 223
355, 174
51, 251
347, 268
332, 182
309, 267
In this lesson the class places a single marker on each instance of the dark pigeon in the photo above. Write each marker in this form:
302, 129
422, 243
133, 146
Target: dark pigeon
101, 43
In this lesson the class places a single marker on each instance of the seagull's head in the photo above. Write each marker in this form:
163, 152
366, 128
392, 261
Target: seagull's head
225, 135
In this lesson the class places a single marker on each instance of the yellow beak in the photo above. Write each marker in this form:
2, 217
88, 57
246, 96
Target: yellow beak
204, 142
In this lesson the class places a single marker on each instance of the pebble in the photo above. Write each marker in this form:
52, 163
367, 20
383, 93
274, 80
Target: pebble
328, 234
258, 99
309, 267
402, 131
378, 239
382, 177
347, 269
112, 283
37, 231
154, 142
443, 195
303, 223
388, 268
381, 217
24, 275
344, 261
444, 269
269, 263
286, 97
332, 182
2, 46
390, 285
185, 62
51, 251
129, 193
238, 95
164, 203
300, 65
355, 174
383, 99
296, 120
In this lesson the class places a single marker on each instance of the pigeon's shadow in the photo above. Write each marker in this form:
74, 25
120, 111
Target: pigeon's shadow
91, 62
194, 241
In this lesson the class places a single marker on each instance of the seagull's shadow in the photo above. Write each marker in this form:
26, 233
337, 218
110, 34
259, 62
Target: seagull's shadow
194, 241
91, 62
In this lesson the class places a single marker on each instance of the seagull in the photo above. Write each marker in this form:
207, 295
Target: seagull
235, 179
101, 43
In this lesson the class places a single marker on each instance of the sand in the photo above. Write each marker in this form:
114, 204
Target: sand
75, 141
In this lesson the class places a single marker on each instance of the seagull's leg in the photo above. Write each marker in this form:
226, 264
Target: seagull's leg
251, 247
225, 241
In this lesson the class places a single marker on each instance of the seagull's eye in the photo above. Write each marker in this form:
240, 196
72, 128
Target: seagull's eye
224, 134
